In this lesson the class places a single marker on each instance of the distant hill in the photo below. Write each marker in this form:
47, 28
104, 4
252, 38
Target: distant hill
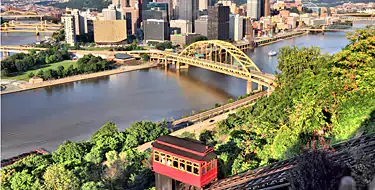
338, 2
84, 4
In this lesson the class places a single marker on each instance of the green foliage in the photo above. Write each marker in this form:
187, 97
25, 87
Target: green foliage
57, 177
105, 162
31, 75
199, 38
164, 45
145, 57
319, 99
143, 131
84, 4
70, 152
24, 180
91, 185
108, 129
59, 36
21, 62
188, 135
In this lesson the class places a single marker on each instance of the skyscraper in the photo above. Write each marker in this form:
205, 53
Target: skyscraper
189, 10
69, 28
235, 27
110, 13
253, 9
218, 22
267, 8
170, 7
79, 22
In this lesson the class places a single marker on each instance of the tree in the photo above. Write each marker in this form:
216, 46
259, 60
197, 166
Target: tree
33, 51
60, 71
40, 74
30, 75
57, 177
20, 65
188, 135
145, 57
108, 129
47, 74
28, 61
206, 137
23, 180
164, 45
70, 151
91, 185
199, 38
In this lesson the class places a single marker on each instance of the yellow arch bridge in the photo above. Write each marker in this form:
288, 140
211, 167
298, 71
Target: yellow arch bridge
218, 56
214, 55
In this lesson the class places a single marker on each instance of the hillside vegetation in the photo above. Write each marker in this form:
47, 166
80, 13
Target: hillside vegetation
320, 100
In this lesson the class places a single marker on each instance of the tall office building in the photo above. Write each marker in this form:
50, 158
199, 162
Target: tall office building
156, 30
181, 26
253, 9
78, 22
201, 25
189, 10
235, 27
132, 10
249, 34
218, 22
267, 8
110, 13
156, 10
203, 5
169, 8
69, 28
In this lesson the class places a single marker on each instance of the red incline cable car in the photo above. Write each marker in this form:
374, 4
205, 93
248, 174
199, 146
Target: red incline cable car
185, 160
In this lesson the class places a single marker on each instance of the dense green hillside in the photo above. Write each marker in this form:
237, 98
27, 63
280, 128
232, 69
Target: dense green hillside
320, 99
84, 4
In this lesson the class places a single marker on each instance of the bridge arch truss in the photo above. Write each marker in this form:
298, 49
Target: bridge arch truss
220, 52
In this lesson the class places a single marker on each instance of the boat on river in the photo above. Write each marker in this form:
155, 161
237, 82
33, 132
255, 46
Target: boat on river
272, 53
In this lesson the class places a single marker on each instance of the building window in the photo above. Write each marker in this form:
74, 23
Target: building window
209, 166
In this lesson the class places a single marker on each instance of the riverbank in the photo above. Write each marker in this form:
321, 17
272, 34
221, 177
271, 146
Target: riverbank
282, 38
25, 86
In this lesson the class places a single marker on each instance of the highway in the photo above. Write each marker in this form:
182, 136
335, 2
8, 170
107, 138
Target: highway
207, 119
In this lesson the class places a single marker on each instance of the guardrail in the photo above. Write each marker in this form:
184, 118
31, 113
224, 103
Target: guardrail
215, 111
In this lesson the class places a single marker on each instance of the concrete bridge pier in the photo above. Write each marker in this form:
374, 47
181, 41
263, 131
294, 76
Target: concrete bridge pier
260, 88
5, 54
249, 87
177, 65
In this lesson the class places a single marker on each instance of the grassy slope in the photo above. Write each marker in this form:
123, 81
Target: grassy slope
25, 75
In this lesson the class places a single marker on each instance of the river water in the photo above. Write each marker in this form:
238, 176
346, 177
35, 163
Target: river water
44, 118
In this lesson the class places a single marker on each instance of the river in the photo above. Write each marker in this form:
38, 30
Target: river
44, 118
